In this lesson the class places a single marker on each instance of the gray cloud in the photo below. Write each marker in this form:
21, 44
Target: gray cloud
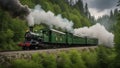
101, 5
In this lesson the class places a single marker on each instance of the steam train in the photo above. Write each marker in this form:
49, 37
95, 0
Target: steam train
51, 38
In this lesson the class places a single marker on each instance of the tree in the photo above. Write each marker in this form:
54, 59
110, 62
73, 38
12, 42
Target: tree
105, 57
116, 12
111, 14
86, 10
80, 3
57, 9
117, 42
11, 30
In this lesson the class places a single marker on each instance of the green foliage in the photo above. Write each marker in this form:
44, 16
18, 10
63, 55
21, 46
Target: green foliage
105, 57
57, 9
29, 3
90, 59
19, 28
63, 61
1, 66
74, 13
117, 34
49, 61
117, 41
37, 59
76, 59
109, 20
11, 30
22, 63
100, 58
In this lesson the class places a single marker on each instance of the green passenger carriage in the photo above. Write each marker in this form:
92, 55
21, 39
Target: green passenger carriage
55, 38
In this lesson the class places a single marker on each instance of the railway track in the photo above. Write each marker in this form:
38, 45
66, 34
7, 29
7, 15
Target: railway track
45, 50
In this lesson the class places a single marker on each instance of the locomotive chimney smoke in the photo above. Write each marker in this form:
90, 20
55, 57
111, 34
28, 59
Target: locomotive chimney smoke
14, 7
96, 31
38, 16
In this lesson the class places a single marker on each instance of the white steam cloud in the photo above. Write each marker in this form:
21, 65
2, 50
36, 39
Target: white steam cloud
96, 31
72, 2
38, 16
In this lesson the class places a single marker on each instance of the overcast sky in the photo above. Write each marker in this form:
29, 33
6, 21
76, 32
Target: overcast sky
101, 7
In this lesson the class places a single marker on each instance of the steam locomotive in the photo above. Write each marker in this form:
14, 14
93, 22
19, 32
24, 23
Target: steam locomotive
51, 38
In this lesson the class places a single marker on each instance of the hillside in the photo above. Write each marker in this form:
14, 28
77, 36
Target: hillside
13, 26
109, 21
75, 13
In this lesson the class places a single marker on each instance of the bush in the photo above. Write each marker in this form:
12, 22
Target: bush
76, 59
100, 58
105, 57
36, 58
48, 61
63, 60
90, 59
1, 66
22, 63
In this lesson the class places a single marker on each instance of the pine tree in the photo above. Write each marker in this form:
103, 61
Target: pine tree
117, 42
111, 14
80, 6
116, 12
86, 10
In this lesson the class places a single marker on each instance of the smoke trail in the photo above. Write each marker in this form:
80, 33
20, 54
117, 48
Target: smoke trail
72, 2
96, 31
14, 7
38, 16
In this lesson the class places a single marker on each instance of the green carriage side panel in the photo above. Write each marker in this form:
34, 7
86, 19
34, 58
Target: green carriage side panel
54, 37
45, 36
62, 38
92, 41
96, 41
57, 37
79, 40
69, 38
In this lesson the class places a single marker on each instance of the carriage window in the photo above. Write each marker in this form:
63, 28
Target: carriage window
40, 32
45, 33
60, 39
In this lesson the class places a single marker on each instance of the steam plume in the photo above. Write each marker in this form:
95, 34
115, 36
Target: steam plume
96, 31
38, 16
14, 7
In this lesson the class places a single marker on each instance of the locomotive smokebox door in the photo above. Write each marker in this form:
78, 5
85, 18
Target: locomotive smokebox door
31, 28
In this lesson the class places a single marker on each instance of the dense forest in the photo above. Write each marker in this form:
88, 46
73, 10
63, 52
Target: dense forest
78, 13
12, 31
98, 58
13, 28
109, 21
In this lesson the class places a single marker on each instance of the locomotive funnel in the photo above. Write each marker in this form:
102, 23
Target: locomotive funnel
31, 28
